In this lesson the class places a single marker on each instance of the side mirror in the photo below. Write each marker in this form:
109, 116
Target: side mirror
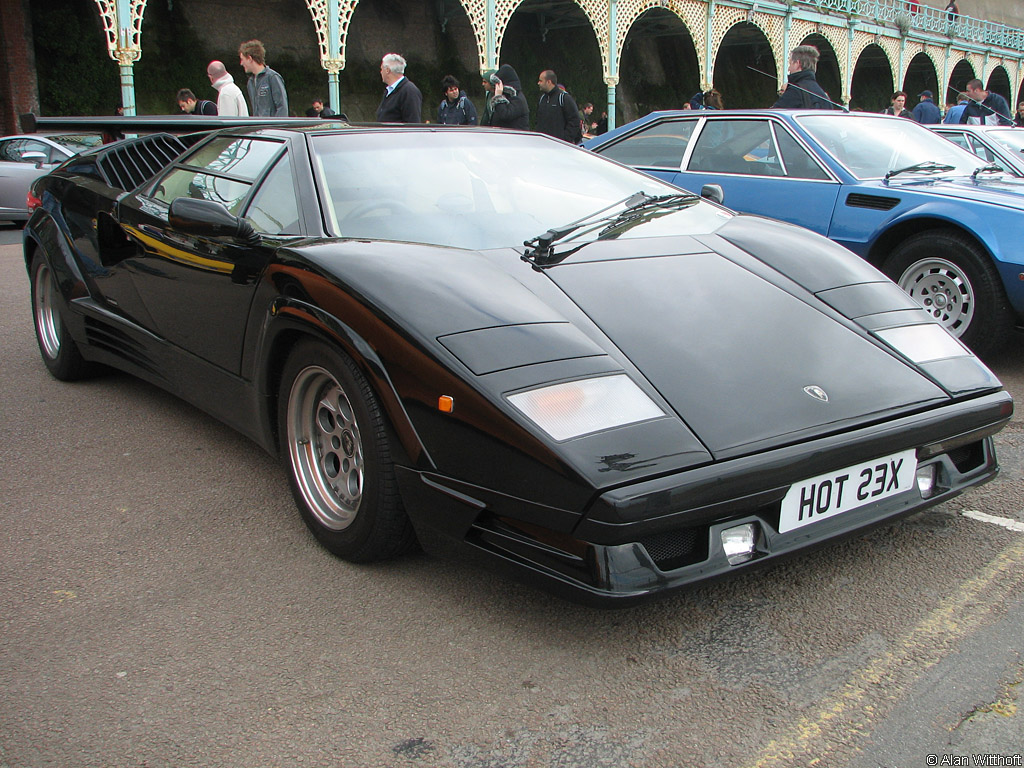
713, 192
207, 218
35, 156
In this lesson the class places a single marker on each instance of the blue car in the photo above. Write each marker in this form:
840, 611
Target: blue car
940, 221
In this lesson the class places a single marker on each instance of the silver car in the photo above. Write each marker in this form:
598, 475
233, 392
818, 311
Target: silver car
999, 144
24, 158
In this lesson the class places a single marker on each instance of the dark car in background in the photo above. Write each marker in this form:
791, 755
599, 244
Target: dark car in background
493, 339
941, 222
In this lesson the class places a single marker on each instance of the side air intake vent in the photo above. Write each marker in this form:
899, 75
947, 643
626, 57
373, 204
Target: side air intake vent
874, 202
132, 162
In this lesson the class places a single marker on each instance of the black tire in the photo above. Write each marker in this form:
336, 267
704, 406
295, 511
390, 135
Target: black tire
59, 351
955, 281
334, 443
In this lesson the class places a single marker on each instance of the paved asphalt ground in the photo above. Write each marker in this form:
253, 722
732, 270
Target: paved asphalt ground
162, 605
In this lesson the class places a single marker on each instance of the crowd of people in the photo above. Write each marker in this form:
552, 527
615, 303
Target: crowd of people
556, 112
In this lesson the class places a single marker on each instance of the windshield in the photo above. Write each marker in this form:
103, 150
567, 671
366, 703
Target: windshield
871, 147
476, 189
1011, 138
78, 142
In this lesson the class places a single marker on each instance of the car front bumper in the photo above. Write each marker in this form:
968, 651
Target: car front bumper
653, 537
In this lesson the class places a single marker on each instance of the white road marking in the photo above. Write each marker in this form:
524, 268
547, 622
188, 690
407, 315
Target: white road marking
1012, 525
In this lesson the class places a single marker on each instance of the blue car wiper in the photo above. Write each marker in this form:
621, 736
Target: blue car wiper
637, 207
928, 166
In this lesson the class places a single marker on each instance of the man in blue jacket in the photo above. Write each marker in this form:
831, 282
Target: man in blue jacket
926, 112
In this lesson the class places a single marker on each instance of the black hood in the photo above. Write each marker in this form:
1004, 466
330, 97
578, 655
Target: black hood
508, 76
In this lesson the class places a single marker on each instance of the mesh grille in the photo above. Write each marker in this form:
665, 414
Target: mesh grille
135, 161
677, 548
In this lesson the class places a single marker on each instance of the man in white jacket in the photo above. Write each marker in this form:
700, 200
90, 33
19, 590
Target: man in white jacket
230, 102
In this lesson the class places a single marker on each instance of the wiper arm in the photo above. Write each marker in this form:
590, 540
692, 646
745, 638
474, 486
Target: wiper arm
539, 249
988, 168
928, 166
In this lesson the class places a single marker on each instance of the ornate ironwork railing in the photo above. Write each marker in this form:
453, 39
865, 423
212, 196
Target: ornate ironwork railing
927, 19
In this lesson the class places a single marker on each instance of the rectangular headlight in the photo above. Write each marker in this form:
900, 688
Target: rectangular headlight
575, 408
923, 343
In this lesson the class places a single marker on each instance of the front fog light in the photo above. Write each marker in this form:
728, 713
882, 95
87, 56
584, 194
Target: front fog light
738, 543
926, 480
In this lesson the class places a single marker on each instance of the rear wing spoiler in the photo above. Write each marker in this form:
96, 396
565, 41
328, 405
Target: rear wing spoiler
176, 124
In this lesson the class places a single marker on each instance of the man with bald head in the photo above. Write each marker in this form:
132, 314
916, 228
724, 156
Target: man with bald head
230, 101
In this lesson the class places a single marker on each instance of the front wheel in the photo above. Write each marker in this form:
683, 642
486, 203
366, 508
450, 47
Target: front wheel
336, 449
59, 351
948, 275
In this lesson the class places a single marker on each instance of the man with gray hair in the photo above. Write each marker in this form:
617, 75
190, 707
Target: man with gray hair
402, 102
802, 90
230, 101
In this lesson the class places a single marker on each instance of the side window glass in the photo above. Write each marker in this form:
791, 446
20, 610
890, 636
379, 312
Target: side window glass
981, 150
14, 151
958, 139
274, 209
736, 146
799, 163
660, 146
183, 182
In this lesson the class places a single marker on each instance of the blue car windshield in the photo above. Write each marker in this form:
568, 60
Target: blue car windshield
869, 147
476, 189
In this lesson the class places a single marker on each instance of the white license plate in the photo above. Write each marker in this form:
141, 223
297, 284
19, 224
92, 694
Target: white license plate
837, 492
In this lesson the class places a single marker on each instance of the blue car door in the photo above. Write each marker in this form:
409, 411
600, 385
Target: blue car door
762, 169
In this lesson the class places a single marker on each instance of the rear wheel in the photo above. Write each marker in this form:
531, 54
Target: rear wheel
339, 461
949, 276
59, 351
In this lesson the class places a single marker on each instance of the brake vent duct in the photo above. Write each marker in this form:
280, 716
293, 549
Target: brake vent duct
129, 163
874, 202
674, 549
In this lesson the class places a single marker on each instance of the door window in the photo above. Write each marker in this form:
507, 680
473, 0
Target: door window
274, 209
736, 146
660, 146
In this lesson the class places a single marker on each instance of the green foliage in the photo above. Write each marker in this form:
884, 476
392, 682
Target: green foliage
172, 58
75, 73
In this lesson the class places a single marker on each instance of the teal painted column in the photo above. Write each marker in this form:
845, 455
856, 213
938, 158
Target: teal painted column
490, 50
333, 53
126, 54
613, 63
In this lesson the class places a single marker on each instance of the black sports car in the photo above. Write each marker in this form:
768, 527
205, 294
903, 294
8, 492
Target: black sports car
649, 392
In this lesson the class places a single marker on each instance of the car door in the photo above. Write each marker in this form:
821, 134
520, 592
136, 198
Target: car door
197, 290
762, 168
18, 171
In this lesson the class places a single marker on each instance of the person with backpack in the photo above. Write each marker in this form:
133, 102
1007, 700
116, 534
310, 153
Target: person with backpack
191, 106
557, 113
455, 108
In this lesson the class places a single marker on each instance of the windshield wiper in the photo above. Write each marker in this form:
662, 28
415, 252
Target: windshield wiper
989, 168
928, 166
539, 249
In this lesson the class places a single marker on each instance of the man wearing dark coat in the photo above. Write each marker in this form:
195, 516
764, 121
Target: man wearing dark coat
802, 90
926, 112
509, 108
557, 113
402, 102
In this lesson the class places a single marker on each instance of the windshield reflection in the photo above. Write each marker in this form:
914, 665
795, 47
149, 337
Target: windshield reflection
473, 189
870, 147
